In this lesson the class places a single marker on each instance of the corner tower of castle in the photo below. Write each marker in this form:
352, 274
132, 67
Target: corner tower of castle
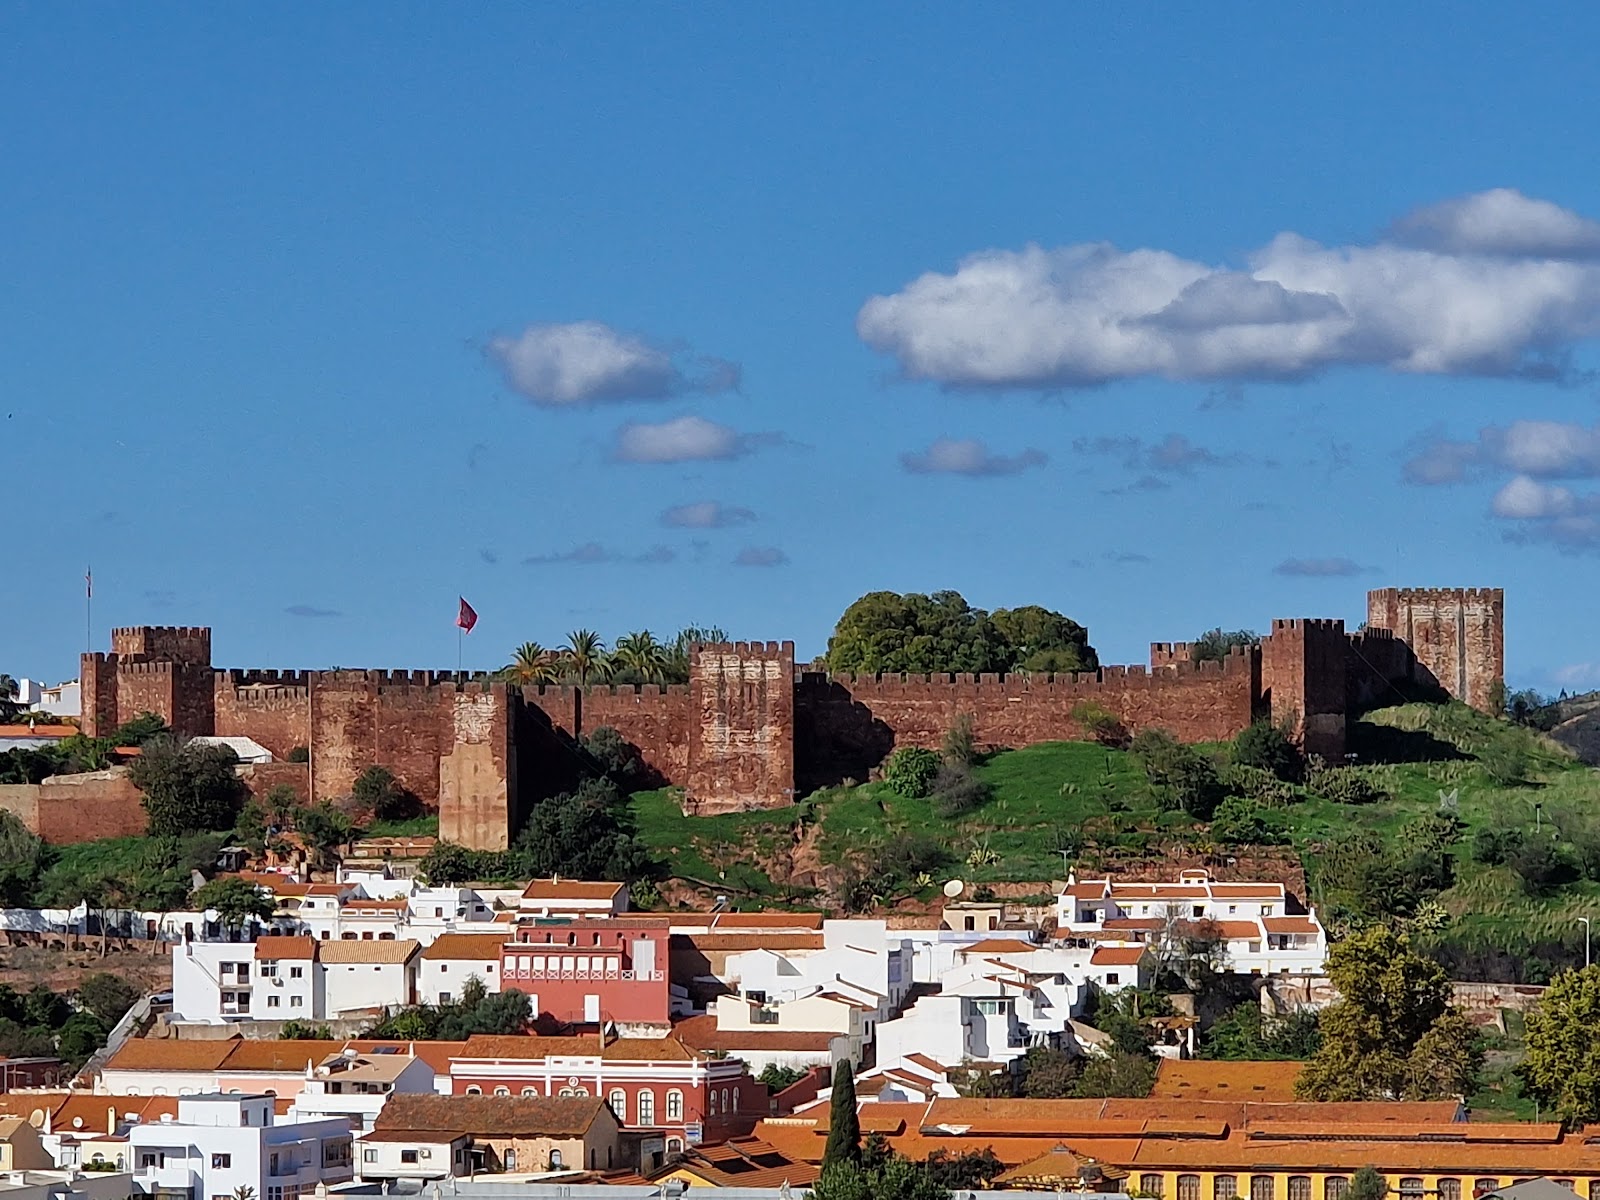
1457, 635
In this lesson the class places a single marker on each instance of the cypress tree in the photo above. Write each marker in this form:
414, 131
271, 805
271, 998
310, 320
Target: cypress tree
844, 1123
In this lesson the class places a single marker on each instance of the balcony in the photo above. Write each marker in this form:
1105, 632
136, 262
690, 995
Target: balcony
585, 976
173, 1177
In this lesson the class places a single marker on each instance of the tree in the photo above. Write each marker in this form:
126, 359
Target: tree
617, 756
1561, 1067
323, 828
23, 859
1117, 1074
1392, 1034
107, 996
1049, 1074
580, 834
1243, 1035
235, 901
584, 656
1044, 642
960, 745
1241, 822
896, 1178
1367, 1184
189, 788
377, 791
844, 1122
304, 1031
1181, 776
639, 656
910, 772
447, 863
967, 1171
1269, 747
1101, 724
140, 729
1214, 645
9, 708
676, 669
1507, 760
888, 632
81, 1035
779, 1078
531, 665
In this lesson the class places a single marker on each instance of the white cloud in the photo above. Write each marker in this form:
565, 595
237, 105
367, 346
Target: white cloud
1500, 221
593, 554
1319, 568
1524, 499
760, 556
968, 456
1541, 449
1498, 293
587, 362
1578, 675
706, 514
682, 439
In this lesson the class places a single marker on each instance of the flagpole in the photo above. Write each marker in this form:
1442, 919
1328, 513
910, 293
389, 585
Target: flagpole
88, 609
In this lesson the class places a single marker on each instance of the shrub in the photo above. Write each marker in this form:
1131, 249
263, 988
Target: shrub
1255, 783
1240, 822
1506, 761
957, 790
1101, 724
1494, 845
1270, 748
960, 743
618, 758
910, 772
1349, 785
1544, 866
299, 754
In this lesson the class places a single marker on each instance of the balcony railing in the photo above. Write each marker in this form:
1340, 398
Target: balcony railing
586, 976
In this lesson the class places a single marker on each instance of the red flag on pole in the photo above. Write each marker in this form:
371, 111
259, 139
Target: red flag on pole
88, 583
467, 617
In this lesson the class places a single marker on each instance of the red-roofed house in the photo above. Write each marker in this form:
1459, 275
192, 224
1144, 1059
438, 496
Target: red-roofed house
589, 971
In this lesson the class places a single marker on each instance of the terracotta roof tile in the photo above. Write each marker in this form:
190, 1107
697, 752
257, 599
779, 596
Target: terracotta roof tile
533, 1049
465, 946
750, 941
277, 1057
999, 946
571, 889
1117, 956
492, 1116
273, 946
376, 952
436, 1054
703, 1034
1290, 925
170, 1054
1200, 1079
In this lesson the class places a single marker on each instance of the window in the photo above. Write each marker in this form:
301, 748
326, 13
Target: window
272, 1002
511, 1159
1262, 1187
1150, 1185
502, 1091
474, 1090
296, 972
1224, 1187
735, 1099
530, 1091
369, 1155
764, 1016
1449, 1189
1199, 910
618, 1099
674, 1105
1299, 1187
1411, 1186
1482, 1187
555, 1159
408, 1156
1188, 1187
221, 1162
647, 1107
1594, 1189
294, 1001
1232, 908
674, 1145
1113, 978
756, 996
1334, 1187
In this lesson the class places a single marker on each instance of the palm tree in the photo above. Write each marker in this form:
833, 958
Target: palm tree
531, 664
584, 656
642, 654
676, 667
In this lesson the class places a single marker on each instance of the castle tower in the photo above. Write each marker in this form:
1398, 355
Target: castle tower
1457, 635
741, 750
160, 669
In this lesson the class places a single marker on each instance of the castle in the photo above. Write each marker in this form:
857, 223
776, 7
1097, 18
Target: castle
749, 731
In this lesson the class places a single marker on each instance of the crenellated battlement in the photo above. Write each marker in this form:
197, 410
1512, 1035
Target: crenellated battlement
1310, 624
1442, 595
745, 649
182, 632
566, 691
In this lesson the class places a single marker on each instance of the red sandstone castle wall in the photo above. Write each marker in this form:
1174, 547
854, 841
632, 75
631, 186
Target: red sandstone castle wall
1303, 682
1457, 635
272, 707
657, 720
66, 809
847, 725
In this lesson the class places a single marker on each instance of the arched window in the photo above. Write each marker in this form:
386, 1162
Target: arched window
1334, 1187
711, 1100
725, 1100
555, 1159
1299, 1187
674, 1145
474, 1090
1263, 1187
1150, 1184
735, 1099
618, 1099
1224, 1187
674, 1105
1594, 1189
530, 1091
122, 1162
511, 1159
1449, 1189
1188, 1187
1483, 1186
502, 1091
647, 1106
1411, 1187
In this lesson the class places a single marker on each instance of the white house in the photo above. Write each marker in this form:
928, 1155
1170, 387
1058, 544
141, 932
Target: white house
287, 978
59, 700
353, 1085
365, 977
213, 982
859, 960
220, 1145
557, 897
287, 984
1260, 932
453, 958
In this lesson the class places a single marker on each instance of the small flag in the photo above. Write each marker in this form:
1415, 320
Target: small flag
467, 617
88, 583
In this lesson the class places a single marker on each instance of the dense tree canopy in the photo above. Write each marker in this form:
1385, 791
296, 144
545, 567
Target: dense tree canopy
886, 632
188, 788
1393, 1034
1562, 1066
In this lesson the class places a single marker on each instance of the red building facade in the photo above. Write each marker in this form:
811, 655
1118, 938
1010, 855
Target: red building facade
591, 972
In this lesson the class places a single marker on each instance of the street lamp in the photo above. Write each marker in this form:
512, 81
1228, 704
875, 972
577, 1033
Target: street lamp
1585, 921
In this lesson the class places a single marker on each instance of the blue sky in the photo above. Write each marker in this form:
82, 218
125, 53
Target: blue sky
317, 317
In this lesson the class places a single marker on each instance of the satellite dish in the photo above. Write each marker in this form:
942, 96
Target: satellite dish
954, 888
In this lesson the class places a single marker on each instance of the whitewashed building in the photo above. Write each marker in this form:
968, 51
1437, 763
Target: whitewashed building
353, 1085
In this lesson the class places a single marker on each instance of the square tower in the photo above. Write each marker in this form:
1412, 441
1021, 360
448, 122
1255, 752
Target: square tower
1457, 635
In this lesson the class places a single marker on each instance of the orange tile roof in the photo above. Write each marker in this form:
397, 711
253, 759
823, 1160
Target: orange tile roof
465, 946
277, 1057
534, 1049
329, 889
38, 731
349, 950
742, 1162
492, 1116
1248, 891
732, 921
1000, 946
274, 946
703, 1034
750, 941
170, 1054
1234, 930
436, 1054
1159, 891
1141, 924
1200, 1079
571, 889
1117, 956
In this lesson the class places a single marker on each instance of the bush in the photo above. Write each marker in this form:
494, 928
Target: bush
299, 754
1240, 822
1544, 866
1180, 776
1494, 845
1254, 783
1506, 761
960, 743
1101, 724
1349, 785
618, 757
1269, 748
910, 772
956, 790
